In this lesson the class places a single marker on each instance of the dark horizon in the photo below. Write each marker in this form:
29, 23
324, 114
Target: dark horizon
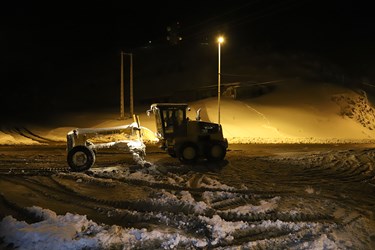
54, 50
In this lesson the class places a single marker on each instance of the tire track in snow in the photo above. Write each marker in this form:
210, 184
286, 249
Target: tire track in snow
249, 217
268, 125
20, 131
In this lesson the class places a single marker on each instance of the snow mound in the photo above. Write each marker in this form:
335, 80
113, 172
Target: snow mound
356, 107
73, 231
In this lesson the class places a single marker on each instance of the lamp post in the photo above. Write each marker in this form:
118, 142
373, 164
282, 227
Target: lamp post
220, 40
122, 108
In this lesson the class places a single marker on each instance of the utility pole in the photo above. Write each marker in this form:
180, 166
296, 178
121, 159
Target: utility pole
122, 102
122, 108
131, 85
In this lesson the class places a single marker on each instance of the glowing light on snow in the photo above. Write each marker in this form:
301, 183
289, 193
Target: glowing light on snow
265, 118
138, 150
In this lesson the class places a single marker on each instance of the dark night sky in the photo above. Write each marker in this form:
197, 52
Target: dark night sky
51, 47
117, 24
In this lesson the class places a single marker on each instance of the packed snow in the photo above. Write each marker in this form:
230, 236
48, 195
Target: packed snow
73, 231
76, 231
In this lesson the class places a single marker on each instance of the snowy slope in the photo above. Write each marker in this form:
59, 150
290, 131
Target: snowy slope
294, 112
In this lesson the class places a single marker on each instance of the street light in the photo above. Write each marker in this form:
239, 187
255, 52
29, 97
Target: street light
220, 40
122, 108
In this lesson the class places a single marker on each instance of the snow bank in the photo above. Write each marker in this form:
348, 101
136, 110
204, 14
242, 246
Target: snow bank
52, 231
72, 232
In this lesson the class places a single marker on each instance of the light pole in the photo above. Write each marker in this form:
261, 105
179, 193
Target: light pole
122, 108
131, 85
220, 40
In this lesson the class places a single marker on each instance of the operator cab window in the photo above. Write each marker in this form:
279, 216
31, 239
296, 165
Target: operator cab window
180, 117
168, 120
173, 119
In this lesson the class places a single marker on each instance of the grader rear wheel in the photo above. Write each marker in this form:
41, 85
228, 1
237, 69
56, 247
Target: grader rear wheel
215, 152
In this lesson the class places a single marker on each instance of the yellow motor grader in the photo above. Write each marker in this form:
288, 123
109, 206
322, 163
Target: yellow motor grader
188, 140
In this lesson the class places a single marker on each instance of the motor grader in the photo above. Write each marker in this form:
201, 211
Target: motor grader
188, 140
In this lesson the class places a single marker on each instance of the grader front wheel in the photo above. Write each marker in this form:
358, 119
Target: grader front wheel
80, 158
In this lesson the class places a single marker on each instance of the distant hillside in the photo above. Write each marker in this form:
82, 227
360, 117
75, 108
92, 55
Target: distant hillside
169, 73
162, 72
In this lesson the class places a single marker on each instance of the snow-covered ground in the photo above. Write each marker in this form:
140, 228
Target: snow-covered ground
304, 212
292, 113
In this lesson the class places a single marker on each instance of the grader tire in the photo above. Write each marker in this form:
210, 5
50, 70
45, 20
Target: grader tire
188, 152
215, 152
80, 158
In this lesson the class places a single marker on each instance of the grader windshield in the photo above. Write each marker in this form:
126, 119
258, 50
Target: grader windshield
169, 118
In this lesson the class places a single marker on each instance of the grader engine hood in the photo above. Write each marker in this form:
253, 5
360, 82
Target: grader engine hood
207, 127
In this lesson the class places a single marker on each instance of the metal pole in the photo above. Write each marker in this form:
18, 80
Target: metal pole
218, 90
122, 113
131, 85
